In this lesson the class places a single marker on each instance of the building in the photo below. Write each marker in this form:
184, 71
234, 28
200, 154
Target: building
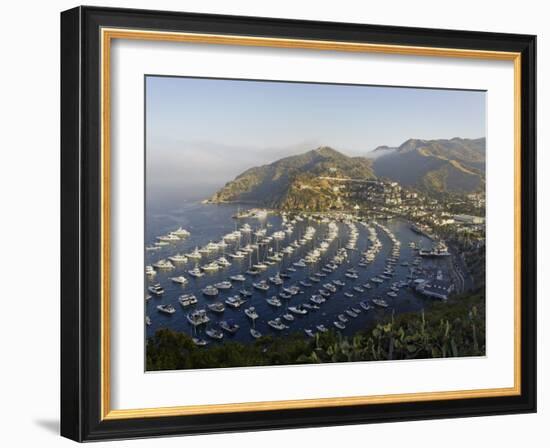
468, 219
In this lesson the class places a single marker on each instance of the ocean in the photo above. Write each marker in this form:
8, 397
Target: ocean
209, 222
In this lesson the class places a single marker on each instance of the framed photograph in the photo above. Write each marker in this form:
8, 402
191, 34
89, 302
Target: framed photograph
273, 223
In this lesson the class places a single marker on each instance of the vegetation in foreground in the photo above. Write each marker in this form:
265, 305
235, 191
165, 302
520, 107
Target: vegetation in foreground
455, 328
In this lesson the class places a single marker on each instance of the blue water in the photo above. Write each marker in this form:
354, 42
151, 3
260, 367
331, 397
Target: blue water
208, 222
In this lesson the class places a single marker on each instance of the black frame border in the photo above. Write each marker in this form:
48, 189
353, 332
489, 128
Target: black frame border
81, 223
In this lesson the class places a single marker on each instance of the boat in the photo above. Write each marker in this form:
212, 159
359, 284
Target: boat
180, 279
350, 313
339, 325
149, 270
288, 317
355, 310
168, 238
367, 286
274, 301
216, 307
352, 275
187, 300
195, 254
309, 332
276, 280
391, 294
348, 294
181, 232
210, 291
198, 317
284, 275
277, 324
178, 258
339, 283
251, 313
358, 289
260, 266
238, 278
214, 333
156, 289
163, 264
229, 325
222, 261
255, 333
297, 310
199, 342
237, 255
223, 285
305, 284
324, 293
152, 248
322, 328
317, 299
235, 301
147, 320
262, 285
365, 305
245, 293
148, 297
342, 318
314, 279
253, 271
195, 272
213, 266
300, 264
380, 302
285, 295
166, 309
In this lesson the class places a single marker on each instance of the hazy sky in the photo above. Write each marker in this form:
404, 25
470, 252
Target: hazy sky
203, 132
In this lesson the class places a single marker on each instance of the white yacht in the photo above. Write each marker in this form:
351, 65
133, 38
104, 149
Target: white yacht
166, 309
274, 301
156, 289
149, 270
195, 272
216, 307
180, 279
198, 317
210, 267
262, 285
187, 300
181, 232
251, 313
210, 291
214, 334
277, 324
178, 258
238, 278
195, 254
223, 285
229, 325
222, 261
255, 333
199, 342
163, 264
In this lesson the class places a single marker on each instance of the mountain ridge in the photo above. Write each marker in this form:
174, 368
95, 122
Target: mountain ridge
302, 180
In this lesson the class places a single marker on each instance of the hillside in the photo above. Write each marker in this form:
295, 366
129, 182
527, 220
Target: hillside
296, 181
436, 166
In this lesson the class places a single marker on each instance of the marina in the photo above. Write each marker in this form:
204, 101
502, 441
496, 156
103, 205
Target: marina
238, 275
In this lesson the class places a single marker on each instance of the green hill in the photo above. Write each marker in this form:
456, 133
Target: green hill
296, 182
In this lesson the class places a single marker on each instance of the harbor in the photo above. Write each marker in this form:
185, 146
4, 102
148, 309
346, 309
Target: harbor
218, 272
